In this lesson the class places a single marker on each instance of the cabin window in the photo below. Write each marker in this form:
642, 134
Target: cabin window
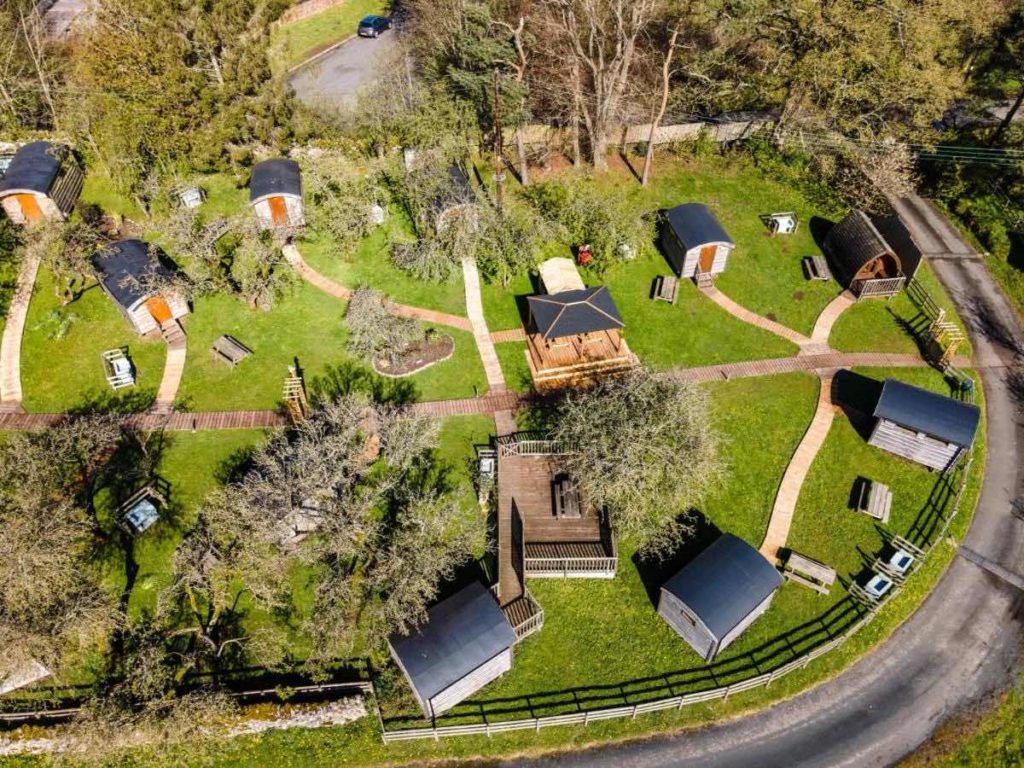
688, 618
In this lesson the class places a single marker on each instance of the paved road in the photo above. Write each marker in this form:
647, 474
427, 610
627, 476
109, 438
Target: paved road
336, 79
962, 644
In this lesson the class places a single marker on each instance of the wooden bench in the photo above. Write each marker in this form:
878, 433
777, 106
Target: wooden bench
666, 288
810, 573
567, 498
816, 268
875, 501
230, 350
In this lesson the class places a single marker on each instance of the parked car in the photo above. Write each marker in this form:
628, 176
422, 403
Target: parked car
372, 26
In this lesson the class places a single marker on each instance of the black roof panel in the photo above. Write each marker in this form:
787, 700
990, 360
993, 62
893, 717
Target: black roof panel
121, 268
923, 411
279, 176
461, 633
34, 167
571, 312
695, 225
724, 583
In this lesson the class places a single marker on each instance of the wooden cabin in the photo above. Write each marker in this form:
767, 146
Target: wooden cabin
465, 643
720, 593
42, 183
275, 194
864, 261
573, 334
923, 426
127, 271
694, 242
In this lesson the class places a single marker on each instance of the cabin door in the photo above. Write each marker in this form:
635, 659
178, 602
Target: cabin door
30, 208
707, 257
278, 211
159, 309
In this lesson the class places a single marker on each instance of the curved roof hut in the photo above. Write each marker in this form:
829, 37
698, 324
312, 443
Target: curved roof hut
129, 271
861, 258
42, 182
275, 193
694, 241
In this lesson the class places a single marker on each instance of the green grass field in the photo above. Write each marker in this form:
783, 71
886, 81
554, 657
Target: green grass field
291, 44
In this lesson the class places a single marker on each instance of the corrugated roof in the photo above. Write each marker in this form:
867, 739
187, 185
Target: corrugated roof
279, 176
461, 633
853, 243
34, 168
122, 268
724, 583
936, 415
695, 225
573, 312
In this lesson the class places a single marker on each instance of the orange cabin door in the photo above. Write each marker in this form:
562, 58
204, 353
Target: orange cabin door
30, 208
278, 211
707, 257
159, 309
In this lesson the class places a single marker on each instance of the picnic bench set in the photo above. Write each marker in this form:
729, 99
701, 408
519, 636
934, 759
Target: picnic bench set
566, 496
120, 371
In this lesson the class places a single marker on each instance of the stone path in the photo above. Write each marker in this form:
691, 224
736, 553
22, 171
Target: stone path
174, 368
331, 288
178, 421
475, 310
10, 346
796, 472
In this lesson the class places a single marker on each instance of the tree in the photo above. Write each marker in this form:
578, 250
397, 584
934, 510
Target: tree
258, 271
373, 332
658, 113
341, 197
644, 448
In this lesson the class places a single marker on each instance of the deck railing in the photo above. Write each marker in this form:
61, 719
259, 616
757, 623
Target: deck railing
533, 624
881, 286
531, 448
568, 567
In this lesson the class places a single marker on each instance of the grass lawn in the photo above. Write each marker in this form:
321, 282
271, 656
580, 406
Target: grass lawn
876, 325
291, 44
370, 265
512, 356
65, 373
99, 190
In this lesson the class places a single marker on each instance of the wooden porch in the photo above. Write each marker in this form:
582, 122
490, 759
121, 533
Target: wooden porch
555, 361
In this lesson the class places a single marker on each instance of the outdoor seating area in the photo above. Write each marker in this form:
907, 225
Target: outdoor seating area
141, 511
230, 350
118, 369
665, 288
809, 572
816, 268
875, 500
781, 223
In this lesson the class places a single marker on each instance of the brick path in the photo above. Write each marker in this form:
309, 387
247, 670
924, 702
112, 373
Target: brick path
475, 310
10, 346
513, 334
829, 315
486, 405
174, 368
331, 288
796, 472
179, 421
752, 318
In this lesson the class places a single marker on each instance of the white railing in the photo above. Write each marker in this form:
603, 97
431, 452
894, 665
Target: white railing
532, 448
567, 567
533, 624
882, 286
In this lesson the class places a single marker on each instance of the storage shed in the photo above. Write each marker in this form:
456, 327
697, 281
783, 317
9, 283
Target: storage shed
42, 182
127, 270
861, 258
925, 427
720, 593
465, 644
694, 242
275, 193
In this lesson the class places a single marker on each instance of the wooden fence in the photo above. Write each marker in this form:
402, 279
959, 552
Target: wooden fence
720, 130
564, 567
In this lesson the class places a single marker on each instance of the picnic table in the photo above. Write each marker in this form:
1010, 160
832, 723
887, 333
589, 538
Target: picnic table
567, 498
666, 288
810, 573
875, 501
230, 350
816, 268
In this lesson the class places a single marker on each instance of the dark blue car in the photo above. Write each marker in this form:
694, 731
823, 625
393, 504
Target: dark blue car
372, 26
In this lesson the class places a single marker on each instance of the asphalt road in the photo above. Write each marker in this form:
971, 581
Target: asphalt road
336, 79
962, 644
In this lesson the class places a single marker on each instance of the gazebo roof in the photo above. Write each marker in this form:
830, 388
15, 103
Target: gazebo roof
279, 176
33, 168
574, 312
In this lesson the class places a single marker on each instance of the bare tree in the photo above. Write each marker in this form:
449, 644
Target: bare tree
373, 332
658, 113
519, 71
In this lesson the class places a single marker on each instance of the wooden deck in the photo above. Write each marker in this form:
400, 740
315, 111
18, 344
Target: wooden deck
577, 358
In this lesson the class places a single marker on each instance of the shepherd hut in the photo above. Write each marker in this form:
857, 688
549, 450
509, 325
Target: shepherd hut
465, 643
923, 426
694, 242
42, 182
128, 271
275, 194
720, 593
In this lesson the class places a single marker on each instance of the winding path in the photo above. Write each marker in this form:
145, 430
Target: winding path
10, 345
174, 369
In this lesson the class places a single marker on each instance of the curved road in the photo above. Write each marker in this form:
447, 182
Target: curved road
960, 645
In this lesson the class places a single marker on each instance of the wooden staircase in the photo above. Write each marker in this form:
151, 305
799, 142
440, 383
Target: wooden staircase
704, 280
173, 333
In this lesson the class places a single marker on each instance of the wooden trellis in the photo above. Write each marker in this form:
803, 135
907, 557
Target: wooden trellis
947, 338
295, 396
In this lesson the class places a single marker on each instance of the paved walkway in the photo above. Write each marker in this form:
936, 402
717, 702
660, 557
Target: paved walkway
328, 286
174, 368
475, 310
10, 346
796, 472
177, 421
752, 318
512, 334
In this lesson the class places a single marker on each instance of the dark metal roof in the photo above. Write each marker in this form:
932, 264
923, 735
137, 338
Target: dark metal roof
853, 243
122, 268
936, 415
458, 191
572, 312
462, 633
899, 239
34, 167
279, 176
724, 583
695, 225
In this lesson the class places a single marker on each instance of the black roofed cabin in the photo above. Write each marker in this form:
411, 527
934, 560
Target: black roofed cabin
694, 242
925, 427
871, 257
720, 593
465, 643
42, 183
128, 271
456, 201
275, 194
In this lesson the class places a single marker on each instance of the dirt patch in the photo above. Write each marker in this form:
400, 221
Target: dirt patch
417, 356
798, 295
771, 316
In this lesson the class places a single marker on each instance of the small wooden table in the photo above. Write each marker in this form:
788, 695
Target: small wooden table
810, 573
875, 501
816, 268
666, 288
567, 498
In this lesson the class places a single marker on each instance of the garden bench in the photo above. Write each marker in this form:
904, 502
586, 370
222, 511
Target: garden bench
118, 368
567, 498
816, 268
810, 573
666, 288
875, 501
230, 350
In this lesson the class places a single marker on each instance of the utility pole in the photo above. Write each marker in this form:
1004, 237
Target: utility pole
499, 146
